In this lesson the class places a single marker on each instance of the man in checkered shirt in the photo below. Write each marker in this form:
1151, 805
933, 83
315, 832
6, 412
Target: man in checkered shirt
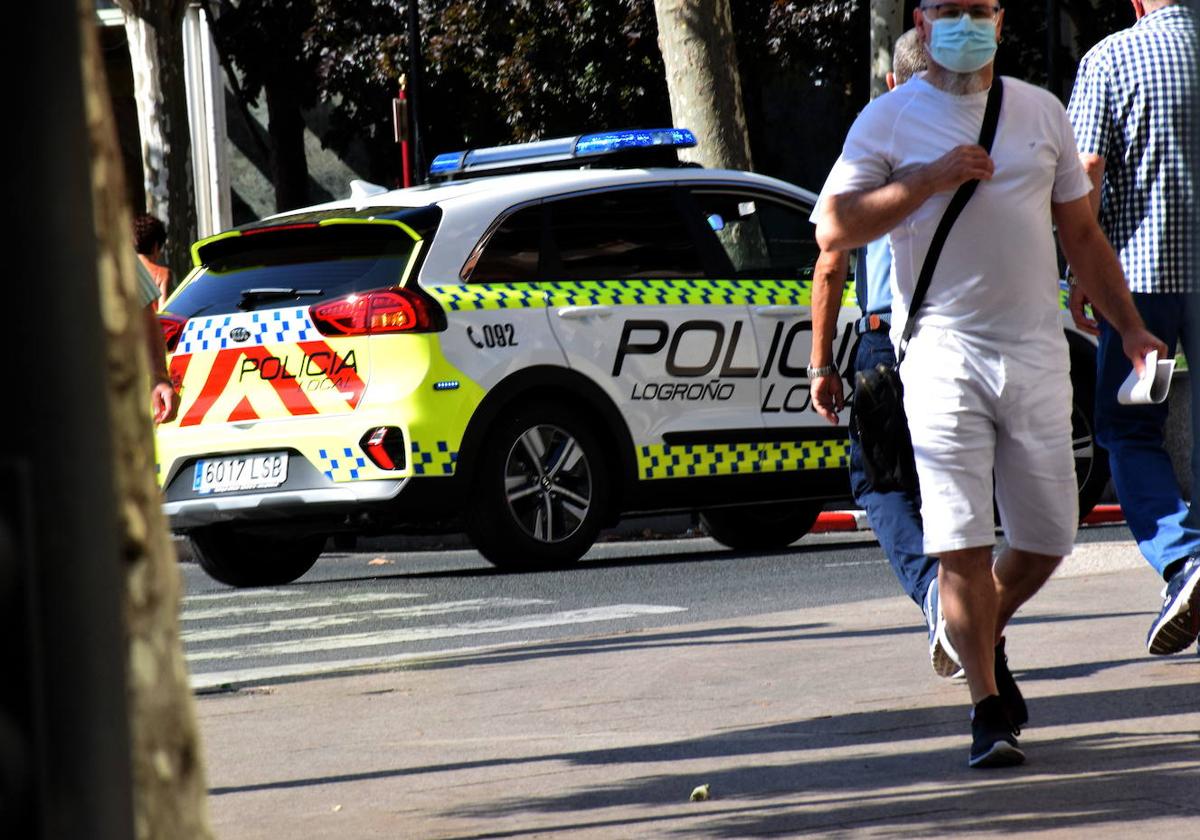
1133, 115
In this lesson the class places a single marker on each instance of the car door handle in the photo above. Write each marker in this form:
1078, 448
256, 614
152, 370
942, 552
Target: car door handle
580, 313
780, 311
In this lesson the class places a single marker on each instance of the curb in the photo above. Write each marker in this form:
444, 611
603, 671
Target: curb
856, 520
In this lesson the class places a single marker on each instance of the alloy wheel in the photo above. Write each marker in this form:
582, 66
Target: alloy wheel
548, 483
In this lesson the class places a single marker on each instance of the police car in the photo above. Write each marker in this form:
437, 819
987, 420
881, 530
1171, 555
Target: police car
547, 337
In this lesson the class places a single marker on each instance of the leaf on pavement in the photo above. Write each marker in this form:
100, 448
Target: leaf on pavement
381, 561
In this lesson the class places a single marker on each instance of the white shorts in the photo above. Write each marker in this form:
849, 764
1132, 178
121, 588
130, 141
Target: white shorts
973, 411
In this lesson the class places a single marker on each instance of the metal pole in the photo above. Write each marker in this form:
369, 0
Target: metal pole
59, 558
414, 90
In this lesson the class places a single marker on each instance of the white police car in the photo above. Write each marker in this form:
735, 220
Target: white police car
548, 337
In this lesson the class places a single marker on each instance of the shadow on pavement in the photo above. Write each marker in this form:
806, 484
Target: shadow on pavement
1078, 781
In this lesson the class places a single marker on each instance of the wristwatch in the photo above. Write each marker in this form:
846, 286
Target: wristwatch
826, 370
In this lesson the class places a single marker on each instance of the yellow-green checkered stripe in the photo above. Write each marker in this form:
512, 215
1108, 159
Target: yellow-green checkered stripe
433, 458
701, 460
490, 296
475, 296
342, 464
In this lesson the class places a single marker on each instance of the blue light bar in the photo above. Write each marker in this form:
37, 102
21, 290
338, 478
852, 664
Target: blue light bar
642, 138
558, 151
446, 163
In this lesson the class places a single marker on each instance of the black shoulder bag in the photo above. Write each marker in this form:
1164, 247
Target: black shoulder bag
878, 417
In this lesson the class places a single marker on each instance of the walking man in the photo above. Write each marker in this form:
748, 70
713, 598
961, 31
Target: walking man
1132, 111
986, 378
895, 516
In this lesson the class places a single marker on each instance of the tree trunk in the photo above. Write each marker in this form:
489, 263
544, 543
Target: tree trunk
154, 29
887, 24
169, 787
289, 166
696, 40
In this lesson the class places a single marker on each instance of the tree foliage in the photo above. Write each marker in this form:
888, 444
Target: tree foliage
499, 71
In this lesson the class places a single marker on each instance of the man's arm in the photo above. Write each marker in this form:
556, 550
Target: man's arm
1093, 165
829, 281
1100, 278
164, 402
852, 219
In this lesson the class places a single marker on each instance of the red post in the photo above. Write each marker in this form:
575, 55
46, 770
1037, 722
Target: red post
402, 131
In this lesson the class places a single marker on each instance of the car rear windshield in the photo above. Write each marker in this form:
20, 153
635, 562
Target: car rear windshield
293, 261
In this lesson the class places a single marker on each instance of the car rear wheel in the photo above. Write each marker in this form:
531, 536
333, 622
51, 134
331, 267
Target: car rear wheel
541, 490
761, 527
240, 559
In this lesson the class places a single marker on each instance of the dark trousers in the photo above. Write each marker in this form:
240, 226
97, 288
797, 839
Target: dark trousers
895, 517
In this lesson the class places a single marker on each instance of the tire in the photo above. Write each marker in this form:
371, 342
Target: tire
541, 491
1091, 461
761, 527
245, 560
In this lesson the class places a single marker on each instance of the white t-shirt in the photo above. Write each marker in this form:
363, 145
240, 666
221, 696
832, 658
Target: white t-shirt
996, 282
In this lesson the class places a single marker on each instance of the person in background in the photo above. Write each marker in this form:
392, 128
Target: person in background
895, 516
149, 239
1133, 114
164, 400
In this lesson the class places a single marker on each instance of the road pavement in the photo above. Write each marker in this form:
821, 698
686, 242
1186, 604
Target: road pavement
823, 719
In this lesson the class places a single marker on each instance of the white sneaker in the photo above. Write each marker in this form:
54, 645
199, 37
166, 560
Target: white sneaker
942, 654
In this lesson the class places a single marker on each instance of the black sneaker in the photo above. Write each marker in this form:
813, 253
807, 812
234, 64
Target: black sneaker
993, 741
1010, 695
1178, 625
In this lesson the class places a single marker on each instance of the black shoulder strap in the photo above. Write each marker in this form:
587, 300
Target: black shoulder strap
987, 133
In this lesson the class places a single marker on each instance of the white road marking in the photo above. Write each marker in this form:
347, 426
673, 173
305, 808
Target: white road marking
295, 606
312, 623
450, 631
244, 593
223, 680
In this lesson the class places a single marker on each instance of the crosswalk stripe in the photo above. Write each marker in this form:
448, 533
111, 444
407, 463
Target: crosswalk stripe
245, 593
224, 680
296, 606
416, 634
311, 623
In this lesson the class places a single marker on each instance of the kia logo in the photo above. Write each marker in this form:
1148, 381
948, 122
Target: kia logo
239, 333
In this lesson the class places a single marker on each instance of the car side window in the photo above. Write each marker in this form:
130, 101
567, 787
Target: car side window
762, 236
512, 253
621, 234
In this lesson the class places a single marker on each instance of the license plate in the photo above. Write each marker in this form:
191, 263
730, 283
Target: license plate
241, 472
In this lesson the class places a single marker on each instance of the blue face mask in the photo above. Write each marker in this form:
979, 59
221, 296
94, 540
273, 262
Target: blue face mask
963, 45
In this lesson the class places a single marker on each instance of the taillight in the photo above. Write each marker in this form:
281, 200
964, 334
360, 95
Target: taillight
385, 446
172, 328
377, 312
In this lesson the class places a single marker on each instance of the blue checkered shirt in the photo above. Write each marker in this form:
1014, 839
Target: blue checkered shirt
1133, 106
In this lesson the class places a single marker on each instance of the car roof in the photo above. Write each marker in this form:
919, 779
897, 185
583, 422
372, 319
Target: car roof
470, 206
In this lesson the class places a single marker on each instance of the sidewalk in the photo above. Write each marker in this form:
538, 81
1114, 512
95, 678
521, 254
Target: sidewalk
818, 722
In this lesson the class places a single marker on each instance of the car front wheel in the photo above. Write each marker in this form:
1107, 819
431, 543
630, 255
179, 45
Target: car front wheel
539, 495
761, 527
1091, 461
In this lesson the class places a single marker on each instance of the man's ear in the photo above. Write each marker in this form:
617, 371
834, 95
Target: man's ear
891, 80
1139, 9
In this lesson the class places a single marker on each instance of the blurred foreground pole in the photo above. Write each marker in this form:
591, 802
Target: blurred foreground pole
64, 747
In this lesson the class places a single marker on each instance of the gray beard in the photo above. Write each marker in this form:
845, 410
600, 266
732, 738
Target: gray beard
959, 84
